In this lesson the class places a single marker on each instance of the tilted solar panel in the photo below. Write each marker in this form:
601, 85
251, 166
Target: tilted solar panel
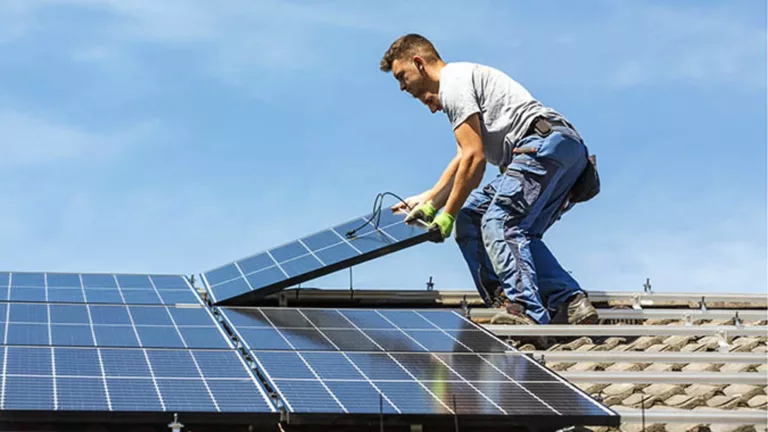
312, 256
96, 288
418, 362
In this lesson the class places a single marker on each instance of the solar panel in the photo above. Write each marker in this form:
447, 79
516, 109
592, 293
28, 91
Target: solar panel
96, 288
117, 379
126, 343
312, 256
421, 362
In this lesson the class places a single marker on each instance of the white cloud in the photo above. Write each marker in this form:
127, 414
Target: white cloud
29, 139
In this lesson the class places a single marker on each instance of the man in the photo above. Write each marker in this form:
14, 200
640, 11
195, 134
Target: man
499, 227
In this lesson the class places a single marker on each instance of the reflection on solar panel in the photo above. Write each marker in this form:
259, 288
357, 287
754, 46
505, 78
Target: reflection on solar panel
325, 361
115, 348
312, 256
96, 288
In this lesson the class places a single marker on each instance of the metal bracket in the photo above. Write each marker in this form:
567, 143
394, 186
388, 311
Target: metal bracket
636, 302
722, 341
351, 286
703, 304
647, 285
464, 307
175, 426
736, 320
688, 319
430, 284
282, 299
285, 416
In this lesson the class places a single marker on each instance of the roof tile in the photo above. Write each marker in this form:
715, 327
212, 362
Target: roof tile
642, 343
664, 391
737, 367
621, 390
658, 367
626, 367
759, 401
638, 400
684, 427
731, 428
657, 348
675, 343
724, 402
683, 401
745, 392
701, 367
704, 391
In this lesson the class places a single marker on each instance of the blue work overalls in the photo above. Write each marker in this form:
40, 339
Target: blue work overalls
499, 229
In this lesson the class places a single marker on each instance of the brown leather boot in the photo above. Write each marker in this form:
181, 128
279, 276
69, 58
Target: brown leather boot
514, 314
577, 310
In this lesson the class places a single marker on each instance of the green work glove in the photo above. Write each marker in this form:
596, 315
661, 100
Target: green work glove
443, 223
425, 212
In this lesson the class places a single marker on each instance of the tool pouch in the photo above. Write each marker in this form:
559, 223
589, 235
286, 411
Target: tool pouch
588, 183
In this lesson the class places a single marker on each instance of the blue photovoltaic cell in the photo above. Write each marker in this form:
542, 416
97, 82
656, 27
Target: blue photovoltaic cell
315, 255
80, 394
96, 288
415, 362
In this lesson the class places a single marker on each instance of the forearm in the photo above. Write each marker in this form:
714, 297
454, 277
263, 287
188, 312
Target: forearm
469, 173
439, 193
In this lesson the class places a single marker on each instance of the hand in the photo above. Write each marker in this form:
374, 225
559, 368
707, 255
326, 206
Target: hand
444, 224
410, 203
425, 212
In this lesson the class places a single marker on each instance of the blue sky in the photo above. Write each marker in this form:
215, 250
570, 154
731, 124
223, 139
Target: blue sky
176, 136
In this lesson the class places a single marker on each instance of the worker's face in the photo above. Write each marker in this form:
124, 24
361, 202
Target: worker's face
412, 76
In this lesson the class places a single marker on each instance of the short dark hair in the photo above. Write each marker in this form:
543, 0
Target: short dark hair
406, 46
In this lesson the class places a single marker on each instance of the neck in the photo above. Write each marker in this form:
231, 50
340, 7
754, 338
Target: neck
433, 73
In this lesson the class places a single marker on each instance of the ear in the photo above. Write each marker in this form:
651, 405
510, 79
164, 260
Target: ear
419, 62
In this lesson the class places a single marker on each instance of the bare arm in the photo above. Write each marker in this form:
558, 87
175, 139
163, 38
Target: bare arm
471, 164
442, 189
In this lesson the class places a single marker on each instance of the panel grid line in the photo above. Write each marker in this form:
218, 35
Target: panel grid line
251, 378
154, 288
5, 366
489, 363
311, 253
5, 341
306, 363
242, 274
154, 380
353, 363
419, 382
271, 380
53, 375
276, 264
107, 395
445, 364
205, 382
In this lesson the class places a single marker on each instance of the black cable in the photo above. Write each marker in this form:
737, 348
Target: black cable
376, 212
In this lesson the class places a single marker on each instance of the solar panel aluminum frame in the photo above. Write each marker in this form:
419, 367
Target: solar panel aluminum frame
486, 422
252, 296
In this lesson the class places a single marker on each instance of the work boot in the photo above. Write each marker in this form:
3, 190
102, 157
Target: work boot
514, 314
577, 310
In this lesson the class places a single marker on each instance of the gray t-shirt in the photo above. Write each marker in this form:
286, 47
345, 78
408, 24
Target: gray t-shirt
505, 107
